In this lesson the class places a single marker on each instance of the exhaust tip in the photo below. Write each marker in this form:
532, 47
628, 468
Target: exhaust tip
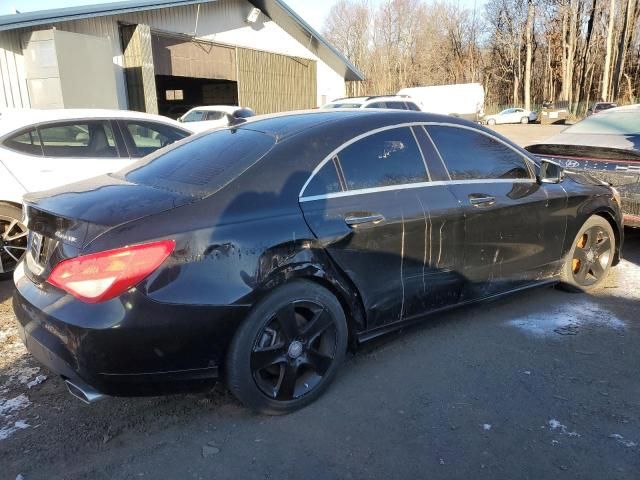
85, 394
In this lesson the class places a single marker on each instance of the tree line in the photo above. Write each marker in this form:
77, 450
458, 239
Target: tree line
524, 52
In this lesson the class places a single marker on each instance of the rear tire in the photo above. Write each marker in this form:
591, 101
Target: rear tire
13, 239
589, 260
288, 350
524, 120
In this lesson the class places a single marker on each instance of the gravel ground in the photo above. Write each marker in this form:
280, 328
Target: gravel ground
542, 384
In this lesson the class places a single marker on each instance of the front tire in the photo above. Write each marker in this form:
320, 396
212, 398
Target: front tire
589, 261
13, 239
288, 350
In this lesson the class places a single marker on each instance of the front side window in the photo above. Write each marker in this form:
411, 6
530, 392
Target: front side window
377, 105
86, 139
147, 137
25, 142
397, 105
387, 158
215, 115
471, 155
194, 116
412, 106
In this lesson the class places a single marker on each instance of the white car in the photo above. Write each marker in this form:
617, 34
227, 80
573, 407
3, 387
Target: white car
394, 102
43, 149
215, 116
511, 115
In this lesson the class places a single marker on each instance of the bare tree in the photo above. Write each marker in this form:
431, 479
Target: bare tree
604, 95
527, 69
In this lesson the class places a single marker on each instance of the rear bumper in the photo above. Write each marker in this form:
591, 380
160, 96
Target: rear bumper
125, 347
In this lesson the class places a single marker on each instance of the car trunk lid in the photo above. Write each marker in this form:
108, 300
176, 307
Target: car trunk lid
63, 221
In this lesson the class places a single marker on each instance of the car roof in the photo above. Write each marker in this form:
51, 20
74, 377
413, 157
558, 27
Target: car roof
217, 108
16, 119
287, 124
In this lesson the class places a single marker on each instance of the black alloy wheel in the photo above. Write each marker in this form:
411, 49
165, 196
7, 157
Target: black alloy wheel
591, 255
289, 348
13, 240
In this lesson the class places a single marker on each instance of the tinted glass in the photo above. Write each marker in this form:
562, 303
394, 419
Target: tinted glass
412, 106
148, 137
26, 142
612, 122
396, 105
215, 115
377, 105
343, 105
325, 181
470, 155
386, 158
203, 165
92, 139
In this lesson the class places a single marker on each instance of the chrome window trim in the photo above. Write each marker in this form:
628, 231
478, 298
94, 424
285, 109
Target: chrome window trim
424, 159
406, 186
369, 133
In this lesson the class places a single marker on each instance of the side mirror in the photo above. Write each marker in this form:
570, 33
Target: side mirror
550, 172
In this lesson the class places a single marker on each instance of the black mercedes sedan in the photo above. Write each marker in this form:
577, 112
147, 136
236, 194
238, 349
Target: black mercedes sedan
261, 252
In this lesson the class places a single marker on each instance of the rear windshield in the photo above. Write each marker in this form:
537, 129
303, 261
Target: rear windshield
620, 123
200, 165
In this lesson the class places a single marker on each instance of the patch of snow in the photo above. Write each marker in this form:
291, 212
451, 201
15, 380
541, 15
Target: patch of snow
6, 432
12, 405
36, 381
566, 319
556, 425
486, 427
621, 440
527, 372
623, 281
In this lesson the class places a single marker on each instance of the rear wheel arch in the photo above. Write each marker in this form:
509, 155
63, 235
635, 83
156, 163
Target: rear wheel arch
324, 274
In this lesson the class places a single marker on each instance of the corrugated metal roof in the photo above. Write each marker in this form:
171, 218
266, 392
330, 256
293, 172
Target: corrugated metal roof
277, 10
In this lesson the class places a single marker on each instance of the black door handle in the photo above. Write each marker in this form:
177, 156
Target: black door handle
355, 220
481, 200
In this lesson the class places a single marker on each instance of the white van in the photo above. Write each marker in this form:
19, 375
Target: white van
465, 100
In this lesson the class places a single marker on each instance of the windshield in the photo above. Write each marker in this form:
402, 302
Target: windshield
617, 123
201, 165
194, 116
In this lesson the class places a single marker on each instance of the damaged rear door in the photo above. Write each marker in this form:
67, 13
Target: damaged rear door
373, 207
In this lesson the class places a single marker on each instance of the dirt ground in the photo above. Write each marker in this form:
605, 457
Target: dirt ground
543, 384
525, 135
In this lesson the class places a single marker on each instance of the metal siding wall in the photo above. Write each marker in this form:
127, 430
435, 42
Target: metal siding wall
221, 21
270, 83
13, 85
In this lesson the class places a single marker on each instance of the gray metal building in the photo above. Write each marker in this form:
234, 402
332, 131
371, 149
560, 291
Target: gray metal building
164, 56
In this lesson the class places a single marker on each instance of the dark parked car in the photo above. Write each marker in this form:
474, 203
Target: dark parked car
600, 107
606, 146
258, 253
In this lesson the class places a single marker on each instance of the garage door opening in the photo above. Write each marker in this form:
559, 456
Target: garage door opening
177, 95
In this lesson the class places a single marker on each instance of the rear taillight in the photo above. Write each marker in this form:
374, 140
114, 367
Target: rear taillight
102, 276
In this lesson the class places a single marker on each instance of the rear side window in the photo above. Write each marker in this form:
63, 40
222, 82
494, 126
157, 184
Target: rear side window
470, 155
88, 139
412, 106
25, 142
387, 158
202, 165
325, 181
147, 137
397, 105
377, 105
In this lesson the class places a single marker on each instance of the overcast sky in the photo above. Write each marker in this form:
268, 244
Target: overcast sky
313, 11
